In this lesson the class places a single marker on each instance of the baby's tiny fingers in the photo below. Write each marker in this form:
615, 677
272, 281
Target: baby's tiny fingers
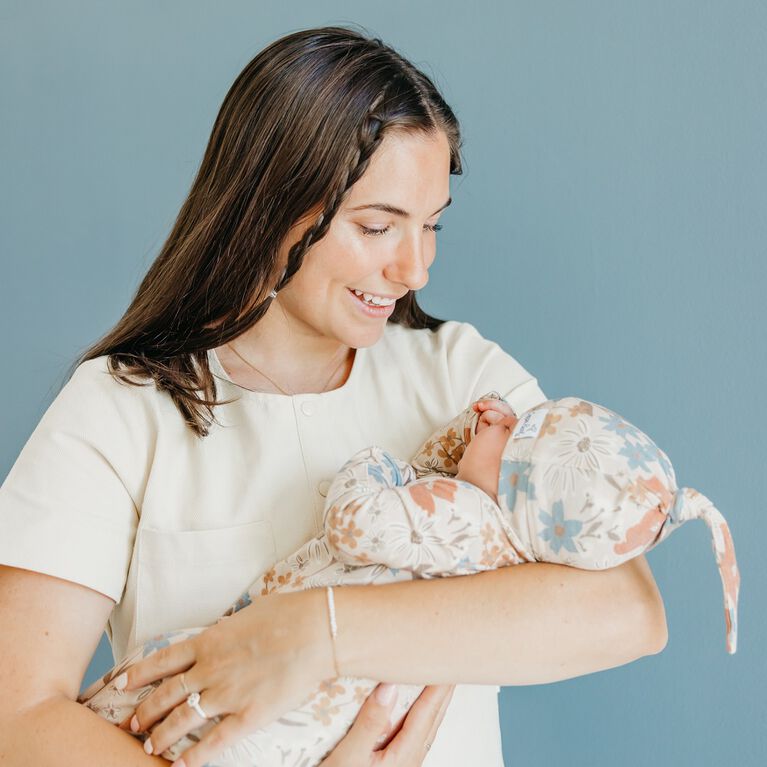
496, 405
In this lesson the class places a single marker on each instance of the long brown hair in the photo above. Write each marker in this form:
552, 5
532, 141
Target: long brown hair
295, 131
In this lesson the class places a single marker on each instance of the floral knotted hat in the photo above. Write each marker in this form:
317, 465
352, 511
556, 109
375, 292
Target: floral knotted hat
581, 486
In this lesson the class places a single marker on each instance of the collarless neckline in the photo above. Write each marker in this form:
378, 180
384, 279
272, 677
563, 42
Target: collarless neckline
219, 372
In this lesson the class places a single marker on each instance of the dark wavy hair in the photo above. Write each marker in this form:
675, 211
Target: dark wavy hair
295, 131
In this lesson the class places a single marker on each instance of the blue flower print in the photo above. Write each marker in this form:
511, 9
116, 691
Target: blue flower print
615, 423
396, 475
466, 564
376, 469
558, 530
513, 478
156, 642
636, 455
243, 601
654, 453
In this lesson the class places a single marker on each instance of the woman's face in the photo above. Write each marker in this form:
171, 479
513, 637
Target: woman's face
368, 249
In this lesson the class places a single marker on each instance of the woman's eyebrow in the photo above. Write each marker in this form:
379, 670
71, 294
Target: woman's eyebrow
386, 208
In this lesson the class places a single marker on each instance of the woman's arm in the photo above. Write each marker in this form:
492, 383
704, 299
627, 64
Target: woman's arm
50, 630
531, 623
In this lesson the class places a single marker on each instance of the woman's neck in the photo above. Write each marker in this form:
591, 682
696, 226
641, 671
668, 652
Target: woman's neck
299, 364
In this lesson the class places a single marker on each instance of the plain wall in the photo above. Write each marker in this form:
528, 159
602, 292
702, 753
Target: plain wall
609, 232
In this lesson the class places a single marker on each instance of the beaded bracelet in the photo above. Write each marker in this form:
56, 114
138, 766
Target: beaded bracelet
333, 626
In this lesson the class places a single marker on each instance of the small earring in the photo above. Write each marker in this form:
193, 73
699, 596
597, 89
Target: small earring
273, 294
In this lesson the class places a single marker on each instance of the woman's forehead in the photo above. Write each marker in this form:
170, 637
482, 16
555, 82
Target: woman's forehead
411, 172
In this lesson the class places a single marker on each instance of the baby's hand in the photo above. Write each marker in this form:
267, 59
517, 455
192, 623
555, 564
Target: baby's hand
491, 411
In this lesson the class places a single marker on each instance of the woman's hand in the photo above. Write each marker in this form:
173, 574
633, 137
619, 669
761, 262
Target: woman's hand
371, 741
250, 667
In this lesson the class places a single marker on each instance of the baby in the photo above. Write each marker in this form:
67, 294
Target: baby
567, 482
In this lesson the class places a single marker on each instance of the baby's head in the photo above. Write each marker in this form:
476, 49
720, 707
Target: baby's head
480, 463
581, 486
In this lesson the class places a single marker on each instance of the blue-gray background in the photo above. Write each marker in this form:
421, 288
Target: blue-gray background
609, 232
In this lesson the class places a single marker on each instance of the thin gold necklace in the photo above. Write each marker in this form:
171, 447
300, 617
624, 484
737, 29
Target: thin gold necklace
261, 372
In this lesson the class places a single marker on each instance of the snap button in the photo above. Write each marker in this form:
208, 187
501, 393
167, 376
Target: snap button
307, 408
323, 487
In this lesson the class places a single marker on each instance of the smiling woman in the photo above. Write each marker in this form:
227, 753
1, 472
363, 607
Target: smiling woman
145, 503
318, 309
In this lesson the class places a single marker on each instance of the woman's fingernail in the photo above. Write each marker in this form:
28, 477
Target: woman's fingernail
148, 745
385, 693
120, 681
179, 763
134, 725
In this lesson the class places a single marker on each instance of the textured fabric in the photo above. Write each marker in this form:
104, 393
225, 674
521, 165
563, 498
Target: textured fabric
381, 525
581, 486
572, 489
114, 492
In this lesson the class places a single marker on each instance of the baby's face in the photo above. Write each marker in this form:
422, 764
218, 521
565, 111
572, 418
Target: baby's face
481, 461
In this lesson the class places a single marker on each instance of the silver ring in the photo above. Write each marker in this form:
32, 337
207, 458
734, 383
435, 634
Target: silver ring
193, 701
183, 684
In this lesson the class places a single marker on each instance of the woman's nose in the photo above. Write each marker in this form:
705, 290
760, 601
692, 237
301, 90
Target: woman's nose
411, 265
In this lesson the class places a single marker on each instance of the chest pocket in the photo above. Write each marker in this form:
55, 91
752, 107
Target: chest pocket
188, 578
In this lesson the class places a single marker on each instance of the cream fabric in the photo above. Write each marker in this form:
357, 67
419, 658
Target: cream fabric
113, 491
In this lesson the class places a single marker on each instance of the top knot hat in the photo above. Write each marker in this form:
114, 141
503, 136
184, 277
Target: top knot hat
581, 486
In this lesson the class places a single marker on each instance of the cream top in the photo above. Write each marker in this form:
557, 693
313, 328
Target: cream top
113, 491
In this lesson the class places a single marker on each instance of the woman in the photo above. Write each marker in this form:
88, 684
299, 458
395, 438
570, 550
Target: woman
144, 504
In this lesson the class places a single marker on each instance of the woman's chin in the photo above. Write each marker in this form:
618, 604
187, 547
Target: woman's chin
362, 337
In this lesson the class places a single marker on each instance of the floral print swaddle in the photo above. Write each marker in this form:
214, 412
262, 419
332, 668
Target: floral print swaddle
578, 486
363, 495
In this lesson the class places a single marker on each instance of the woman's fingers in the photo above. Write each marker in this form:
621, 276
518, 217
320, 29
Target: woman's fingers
440, 715
357, 747
166, 661
229, 730
408, 747
184, 719
162, 700
181, 720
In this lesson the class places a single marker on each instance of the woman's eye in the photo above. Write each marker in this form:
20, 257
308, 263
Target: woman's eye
375, 232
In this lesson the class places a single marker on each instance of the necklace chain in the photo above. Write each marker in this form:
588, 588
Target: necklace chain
261, 372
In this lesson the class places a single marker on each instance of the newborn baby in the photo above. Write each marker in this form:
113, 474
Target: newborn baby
567, 482
571, 476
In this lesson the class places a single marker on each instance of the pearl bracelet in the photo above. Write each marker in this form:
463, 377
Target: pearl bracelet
333, 626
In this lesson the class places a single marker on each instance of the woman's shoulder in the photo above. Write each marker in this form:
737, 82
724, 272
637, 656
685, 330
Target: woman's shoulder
472, 363
96, 378
455, 341
444, 336
93, 399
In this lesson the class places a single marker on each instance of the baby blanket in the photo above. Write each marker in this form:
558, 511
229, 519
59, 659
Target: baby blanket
578, 485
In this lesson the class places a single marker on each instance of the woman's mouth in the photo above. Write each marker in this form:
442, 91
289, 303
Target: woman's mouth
371, 309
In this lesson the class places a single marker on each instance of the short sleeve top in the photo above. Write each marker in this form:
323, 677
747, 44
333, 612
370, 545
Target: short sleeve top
113, 490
